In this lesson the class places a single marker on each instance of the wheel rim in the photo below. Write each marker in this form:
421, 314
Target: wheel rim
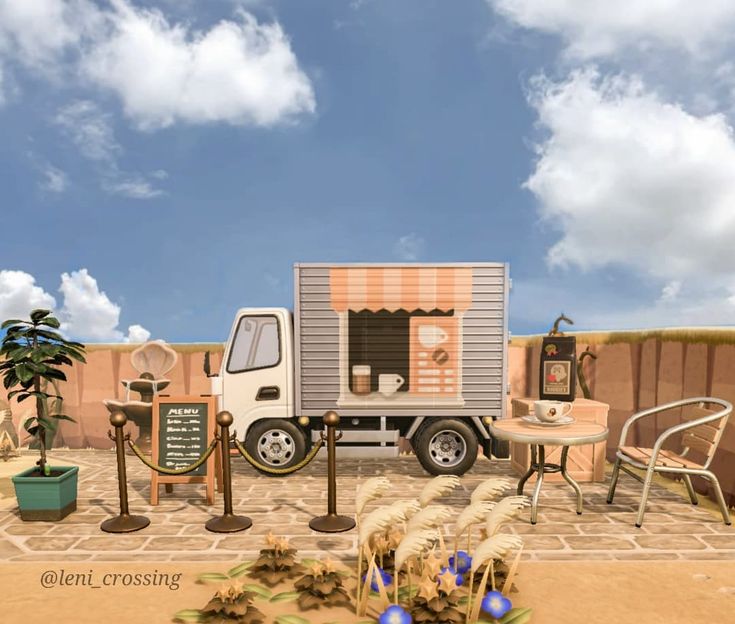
447, 448
275, 447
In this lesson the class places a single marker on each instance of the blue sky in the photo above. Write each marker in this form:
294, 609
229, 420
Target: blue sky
164, 163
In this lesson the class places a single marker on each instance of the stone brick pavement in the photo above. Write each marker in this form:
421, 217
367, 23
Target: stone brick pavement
673, 529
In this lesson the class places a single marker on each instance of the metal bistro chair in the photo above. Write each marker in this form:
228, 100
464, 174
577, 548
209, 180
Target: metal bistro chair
702, 433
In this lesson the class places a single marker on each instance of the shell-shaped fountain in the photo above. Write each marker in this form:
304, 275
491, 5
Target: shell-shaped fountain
152, 360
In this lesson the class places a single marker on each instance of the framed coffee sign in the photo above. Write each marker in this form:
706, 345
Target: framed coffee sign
558, 369
183, 429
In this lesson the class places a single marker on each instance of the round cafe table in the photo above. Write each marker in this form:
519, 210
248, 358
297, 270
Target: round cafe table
573, 434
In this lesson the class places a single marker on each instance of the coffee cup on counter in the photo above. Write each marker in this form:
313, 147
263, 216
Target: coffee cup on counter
388, 384
361, 379
551, 411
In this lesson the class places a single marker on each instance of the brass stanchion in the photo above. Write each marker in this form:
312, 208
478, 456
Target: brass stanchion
124, 523
228, 522
331, 523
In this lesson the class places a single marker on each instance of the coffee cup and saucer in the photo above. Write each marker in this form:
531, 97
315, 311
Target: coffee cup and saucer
549, 414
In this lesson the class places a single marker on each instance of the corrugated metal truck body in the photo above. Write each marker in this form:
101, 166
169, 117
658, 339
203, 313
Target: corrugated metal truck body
400, 340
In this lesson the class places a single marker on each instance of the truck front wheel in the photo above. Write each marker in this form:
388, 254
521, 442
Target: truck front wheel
446, 446
275, 443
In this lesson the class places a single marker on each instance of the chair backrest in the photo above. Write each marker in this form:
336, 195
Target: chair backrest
702, 438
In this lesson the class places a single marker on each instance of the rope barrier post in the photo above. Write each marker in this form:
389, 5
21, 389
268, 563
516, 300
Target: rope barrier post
331, 523
228, 522
123, 523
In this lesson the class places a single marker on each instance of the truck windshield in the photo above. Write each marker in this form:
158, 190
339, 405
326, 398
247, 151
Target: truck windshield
256, 344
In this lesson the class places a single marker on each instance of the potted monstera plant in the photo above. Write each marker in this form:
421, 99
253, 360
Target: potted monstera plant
31, 357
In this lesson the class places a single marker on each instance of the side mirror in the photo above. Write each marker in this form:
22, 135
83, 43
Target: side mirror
207, 367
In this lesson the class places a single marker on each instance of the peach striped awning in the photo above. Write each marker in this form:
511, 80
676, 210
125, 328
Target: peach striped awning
400, 288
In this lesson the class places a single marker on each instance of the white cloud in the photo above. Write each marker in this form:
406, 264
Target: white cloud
633, 181
88, 313
671, 291
41, 33
699, 309
19, 294
597, 28
240, 72
605, 308
137, 333
274, 282
134, 187
90, 129
409, 247
55, 180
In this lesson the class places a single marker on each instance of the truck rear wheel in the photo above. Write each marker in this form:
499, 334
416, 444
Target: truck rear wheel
275, 443
446, 446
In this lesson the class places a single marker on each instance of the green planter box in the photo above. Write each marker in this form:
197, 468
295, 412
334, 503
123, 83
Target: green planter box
47, 498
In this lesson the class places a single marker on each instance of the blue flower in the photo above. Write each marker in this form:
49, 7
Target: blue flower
394, 614
464, 562
385, 577
458, 577
496, 604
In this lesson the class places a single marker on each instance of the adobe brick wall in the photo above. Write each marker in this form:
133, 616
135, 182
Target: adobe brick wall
100, 378
629, 376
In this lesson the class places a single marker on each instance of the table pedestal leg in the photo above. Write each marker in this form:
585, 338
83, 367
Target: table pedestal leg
569, 480
539, 482
529, 472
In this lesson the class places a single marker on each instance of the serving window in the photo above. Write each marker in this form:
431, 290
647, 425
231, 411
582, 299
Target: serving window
379, 349
400, 334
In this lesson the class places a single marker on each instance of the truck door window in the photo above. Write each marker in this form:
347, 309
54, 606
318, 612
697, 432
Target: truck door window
256, 344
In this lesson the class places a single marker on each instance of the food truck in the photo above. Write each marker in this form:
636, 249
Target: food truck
414, 351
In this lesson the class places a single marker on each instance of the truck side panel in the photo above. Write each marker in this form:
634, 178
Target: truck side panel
458, 338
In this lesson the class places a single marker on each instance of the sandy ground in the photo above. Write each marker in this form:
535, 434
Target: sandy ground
12, 467
568, 592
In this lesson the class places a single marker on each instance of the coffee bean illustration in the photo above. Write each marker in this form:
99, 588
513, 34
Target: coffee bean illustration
440, 356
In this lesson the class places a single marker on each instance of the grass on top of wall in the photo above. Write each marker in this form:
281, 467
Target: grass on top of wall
189, 347
706, 335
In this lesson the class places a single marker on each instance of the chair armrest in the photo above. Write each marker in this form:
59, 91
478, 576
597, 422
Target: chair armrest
727, 408
631, 420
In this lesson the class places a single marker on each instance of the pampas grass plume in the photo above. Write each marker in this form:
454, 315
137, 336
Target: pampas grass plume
494, 547
414, 544
405, 508
488, 489
429, 517
473, 514
373, 488
377, 521
504, 510
438, 486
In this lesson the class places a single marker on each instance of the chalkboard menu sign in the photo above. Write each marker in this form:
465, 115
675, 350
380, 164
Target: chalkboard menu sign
183, 428
182, 437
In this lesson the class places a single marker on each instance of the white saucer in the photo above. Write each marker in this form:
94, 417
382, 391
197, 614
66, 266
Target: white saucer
562, 420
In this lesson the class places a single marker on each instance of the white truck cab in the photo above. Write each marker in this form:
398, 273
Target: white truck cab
257, 368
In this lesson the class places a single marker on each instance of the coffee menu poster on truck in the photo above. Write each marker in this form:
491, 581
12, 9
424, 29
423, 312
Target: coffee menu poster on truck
183, 428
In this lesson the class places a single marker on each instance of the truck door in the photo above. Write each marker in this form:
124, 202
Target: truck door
258, 368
